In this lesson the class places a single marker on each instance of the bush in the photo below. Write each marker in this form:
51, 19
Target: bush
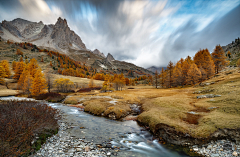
20, 121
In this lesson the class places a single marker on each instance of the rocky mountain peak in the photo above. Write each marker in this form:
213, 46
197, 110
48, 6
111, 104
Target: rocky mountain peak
97, 52
61, 22
110, 57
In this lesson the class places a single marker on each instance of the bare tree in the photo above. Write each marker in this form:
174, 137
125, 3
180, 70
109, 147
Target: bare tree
49, 81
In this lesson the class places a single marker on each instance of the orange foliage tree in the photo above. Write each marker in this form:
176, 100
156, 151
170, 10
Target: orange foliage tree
219, 58
203, 59
19, 69
177, 75
2, 74
39, 84
5, 65
193, 75
170, 72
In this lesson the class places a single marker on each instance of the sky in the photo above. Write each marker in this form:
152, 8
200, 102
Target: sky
144, 32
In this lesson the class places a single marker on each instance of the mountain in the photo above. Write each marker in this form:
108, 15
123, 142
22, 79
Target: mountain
97, 52
58, 37
234, 49
153, 69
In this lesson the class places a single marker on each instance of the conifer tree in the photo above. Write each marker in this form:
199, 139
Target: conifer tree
39, 84
219, 58
185, 67
27, 83
22, 77
203, 58
19, 69
156, 78
177, 75
5, 65
2, 74
203, 74
170, 71
14, 65
193, 75
33, 67
162, 77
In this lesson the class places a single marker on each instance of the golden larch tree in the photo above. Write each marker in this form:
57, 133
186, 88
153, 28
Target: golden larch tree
170, 71
27, 83
203, 58
177, 75
156, 78
14, 65
39, 84
5, 65
2, 74
185, 67
219, 58
162, 77
203, 74
33, 66
193, 75
19, 69
22, 77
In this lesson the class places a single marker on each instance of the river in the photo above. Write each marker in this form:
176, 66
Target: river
132, 139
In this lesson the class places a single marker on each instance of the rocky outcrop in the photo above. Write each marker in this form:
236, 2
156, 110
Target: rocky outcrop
110, 57
55, 36
64, 38
12, 29
32, 29
233, 48
97, 52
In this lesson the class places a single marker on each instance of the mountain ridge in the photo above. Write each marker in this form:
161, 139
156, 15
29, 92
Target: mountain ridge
59, 37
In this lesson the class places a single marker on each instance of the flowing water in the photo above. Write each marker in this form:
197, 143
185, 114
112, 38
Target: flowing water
131, 138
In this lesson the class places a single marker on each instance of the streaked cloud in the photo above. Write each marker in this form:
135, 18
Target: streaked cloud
143, 32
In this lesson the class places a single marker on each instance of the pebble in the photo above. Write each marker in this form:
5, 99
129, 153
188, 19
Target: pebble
63, 145
220, 148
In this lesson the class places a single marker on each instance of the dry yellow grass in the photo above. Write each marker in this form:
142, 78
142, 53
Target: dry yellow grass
82, 82
171, 106
8, 92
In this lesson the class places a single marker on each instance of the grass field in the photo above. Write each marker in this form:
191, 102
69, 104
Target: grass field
172, 106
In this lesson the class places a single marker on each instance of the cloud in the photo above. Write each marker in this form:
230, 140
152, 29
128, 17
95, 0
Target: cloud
30, 10
187, 41
145, 33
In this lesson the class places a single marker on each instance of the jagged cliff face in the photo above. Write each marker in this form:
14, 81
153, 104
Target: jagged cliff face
97, 52
233, 48
58, 36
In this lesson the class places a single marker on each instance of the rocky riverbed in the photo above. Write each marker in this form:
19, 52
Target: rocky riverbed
63, 144
220, 148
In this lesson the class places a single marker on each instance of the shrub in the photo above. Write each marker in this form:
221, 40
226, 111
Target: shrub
20, 121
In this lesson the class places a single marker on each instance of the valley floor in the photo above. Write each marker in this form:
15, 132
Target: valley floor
201, 112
